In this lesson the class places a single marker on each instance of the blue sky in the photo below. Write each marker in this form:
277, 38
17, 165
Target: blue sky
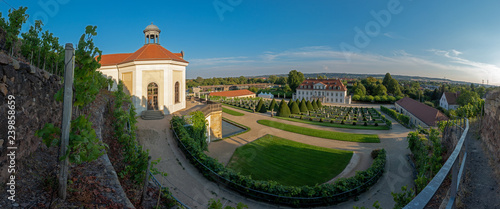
453, 39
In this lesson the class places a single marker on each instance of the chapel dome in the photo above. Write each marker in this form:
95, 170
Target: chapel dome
152, 28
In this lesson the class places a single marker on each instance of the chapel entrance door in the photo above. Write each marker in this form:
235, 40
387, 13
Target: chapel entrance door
152, 96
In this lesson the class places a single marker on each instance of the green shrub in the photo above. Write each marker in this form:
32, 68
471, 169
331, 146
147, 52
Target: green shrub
303, 106
375, 153
403, 119
365, 124
273, 104
354, 123
261, 107
309, 106
295, 108
314, 104
284, 111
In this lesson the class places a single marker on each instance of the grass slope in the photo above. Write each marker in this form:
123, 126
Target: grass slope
232, 112
363, 138
288, 162
336, 125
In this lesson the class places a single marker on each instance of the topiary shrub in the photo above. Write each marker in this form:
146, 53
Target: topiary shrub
284, 111
303, 106
295, 108
366, 124
376, 124
314, 104
273, 104
375, 153
309, 105
342, 122
261, 107
353, 123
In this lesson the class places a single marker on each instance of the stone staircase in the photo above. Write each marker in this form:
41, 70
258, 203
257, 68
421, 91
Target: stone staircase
152, 115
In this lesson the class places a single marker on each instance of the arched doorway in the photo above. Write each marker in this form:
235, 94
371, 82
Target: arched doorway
152, 96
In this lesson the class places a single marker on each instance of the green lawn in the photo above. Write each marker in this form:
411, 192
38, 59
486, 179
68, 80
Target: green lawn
288, 162
336, 125
364, 138
232, 112
239, 108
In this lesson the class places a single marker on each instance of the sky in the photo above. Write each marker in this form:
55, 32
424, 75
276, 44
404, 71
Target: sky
453, 39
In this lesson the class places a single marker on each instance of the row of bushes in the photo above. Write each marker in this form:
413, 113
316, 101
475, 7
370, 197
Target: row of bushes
403, 119
332, 120
427, 154
381, 99
303, 196
125, 127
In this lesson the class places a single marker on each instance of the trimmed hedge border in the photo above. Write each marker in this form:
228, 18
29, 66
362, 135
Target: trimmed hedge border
403, 119
270, 191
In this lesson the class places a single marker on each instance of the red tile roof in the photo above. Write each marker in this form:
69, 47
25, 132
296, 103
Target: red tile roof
331, 84
451, 98
179, 55
235, 93
113, 59
425, 113
146, 52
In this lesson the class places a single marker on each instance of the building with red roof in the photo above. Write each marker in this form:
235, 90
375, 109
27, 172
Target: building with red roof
419, 113
233, 94
152, 75
326, 90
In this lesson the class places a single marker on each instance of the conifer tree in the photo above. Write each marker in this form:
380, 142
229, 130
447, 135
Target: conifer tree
284, 110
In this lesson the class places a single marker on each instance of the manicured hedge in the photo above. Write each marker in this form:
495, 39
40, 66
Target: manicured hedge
403, 119
298, 196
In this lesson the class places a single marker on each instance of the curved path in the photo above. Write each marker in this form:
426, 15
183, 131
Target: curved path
189, 186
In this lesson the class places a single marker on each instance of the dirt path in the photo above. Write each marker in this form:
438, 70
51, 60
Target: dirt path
481, 188
188, 185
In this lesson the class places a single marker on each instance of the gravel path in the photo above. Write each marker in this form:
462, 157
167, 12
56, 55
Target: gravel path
189, 186
481, 187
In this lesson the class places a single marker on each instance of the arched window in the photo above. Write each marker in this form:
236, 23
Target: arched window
177, 98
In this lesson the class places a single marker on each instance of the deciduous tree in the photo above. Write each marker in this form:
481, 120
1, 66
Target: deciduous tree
295, 78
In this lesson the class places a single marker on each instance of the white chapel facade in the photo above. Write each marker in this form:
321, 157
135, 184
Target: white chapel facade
152, 75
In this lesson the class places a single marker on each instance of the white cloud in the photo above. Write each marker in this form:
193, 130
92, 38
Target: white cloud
220, 61
485, 71
325, 59
393, 35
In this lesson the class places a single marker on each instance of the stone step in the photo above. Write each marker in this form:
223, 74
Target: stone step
152, 115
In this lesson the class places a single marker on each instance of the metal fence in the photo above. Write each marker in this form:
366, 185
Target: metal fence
455, 164
273, 198
162, 187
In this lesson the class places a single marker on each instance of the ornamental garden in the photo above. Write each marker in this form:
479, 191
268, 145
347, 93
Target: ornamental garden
305, 177
313, 112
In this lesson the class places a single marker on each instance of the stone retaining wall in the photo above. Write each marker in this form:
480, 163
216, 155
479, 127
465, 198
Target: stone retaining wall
34, 91
490, 127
